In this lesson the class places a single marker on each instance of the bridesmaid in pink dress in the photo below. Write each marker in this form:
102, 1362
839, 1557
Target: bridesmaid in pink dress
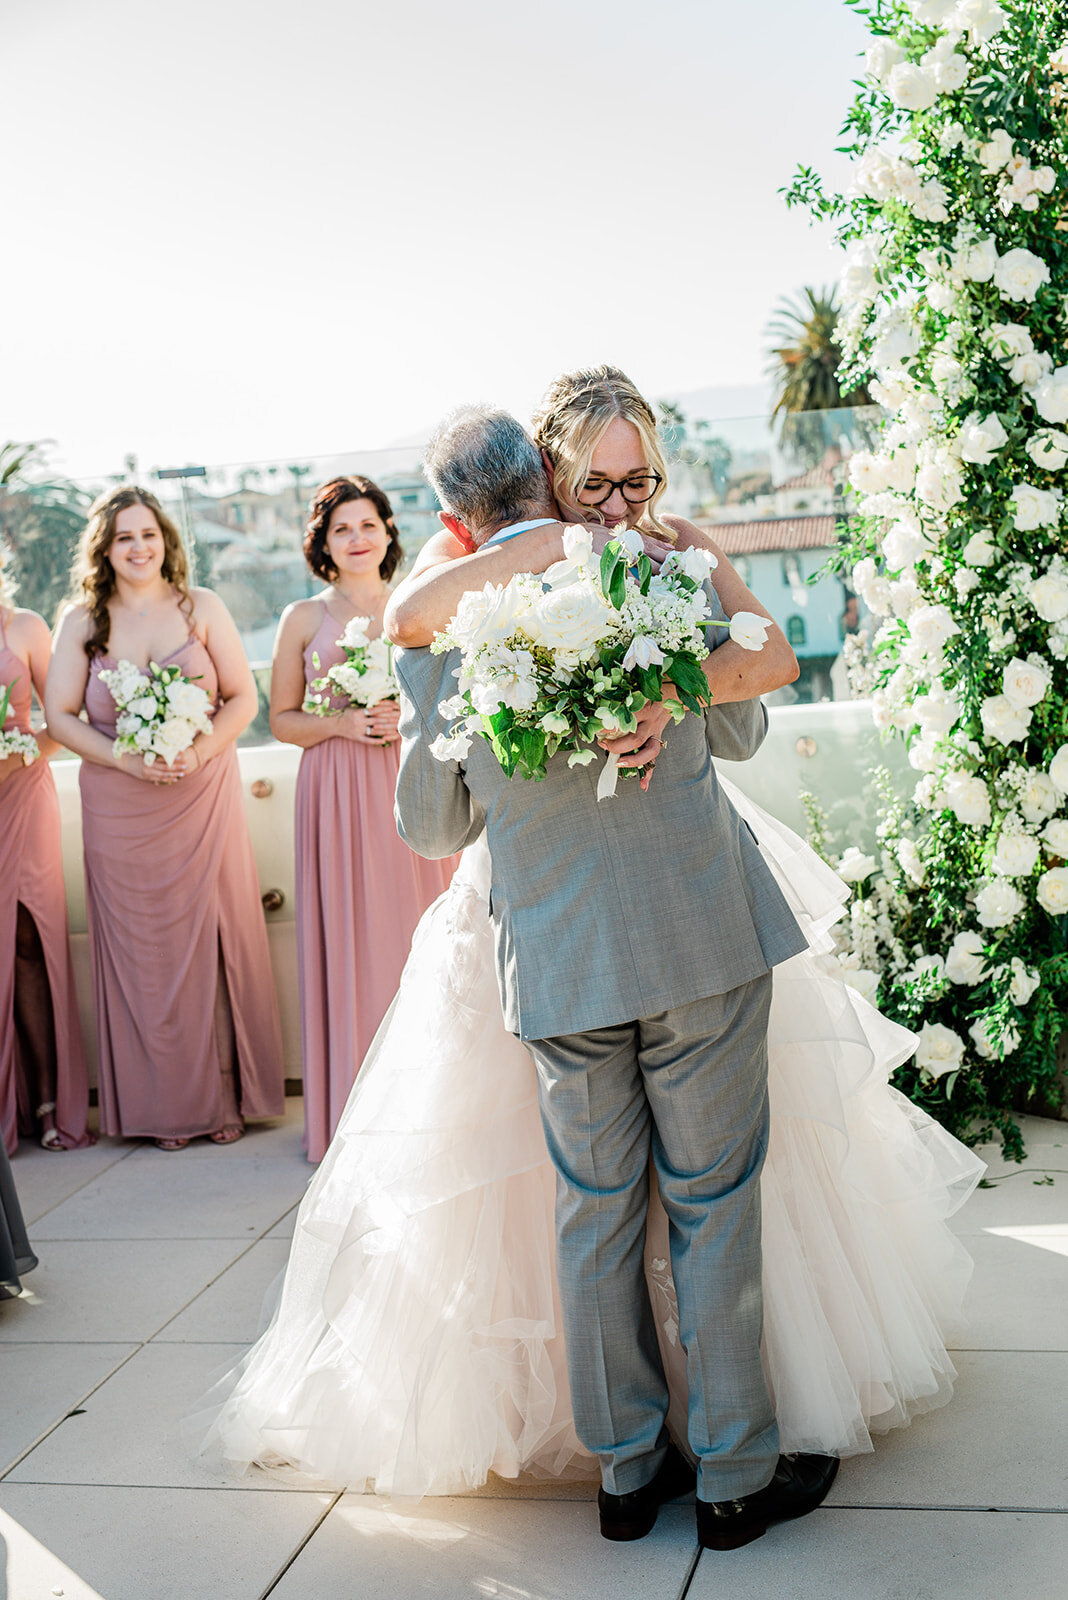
44, 1085
187, 1019
360, 890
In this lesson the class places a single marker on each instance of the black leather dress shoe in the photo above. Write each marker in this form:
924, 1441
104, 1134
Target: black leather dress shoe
799, 1485
631, 1516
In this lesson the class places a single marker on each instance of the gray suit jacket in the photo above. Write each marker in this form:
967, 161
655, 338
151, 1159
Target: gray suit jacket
606, 911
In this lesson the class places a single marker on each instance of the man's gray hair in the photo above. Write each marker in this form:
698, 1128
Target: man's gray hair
485, 468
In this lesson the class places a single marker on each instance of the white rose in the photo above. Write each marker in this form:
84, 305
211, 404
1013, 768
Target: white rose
865, 983
966, 796
855, 866
926, 968
874, 175
1053, 891
938, 1049
1026, 682
931, 12
982, 20
910, 87
1035, 508
1004, 721
866, 472
940, 482
1051, 396
185, 699
1030, 368
881, 57
1015, 855
1019, 275
938, 710
486, 616
964, 959
996, 152
923, 753
1040, 796
985, 1046
145, 707
1049, 448
980, 439
570, 622
951, 72
899, 470
998, 903
172, 737
977, 259
1055, 836
1058, 769
930, 626
1023, 983
979, 552
1007, 340
964, 582
903, 546
1049, 596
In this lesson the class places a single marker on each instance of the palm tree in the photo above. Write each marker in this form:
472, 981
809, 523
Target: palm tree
805, 356
40, 521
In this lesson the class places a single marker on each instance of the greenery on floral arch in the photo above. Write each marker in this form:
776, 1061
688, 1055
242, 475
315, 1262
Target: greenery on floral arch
955, 315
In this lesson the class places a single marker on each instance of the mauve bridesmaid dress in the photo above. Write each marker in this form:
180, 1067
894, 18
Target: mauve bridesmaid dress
360, 893
174, 907
31, 875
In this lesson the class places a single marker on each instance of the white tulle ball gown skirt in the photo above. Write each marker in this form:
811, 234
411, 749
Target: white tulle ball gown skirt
416, 1347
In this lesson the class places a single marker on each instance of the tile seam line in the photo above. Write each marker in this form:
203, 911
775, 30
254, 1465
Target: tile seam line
31, 1222
301, 1547
138, 1347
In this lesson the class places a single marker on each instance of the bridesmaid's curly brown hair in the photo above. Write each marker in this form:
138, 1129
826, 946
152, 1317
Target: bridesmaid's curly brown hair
326, 501
94, 576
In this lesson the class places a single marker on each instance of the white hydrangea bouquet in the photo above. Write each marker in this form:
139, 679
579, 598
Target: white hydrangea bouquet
13, 742
161, 711
364, 678
552, 662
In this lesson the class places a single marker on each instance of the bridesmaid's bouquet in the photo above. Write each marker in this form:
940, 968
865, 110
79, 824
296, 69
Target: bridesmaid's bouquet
553, 662
364, 677
13, 742
161, 711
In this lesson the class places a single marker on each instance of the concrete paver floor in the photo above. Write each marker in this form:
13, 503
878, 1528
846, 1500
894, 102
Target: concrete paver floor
153, 1270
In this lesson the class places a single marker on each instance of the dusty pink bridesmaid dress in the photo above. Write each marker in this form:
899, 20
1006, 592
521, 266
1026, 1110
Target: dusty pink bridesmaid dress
360, 893
174, 912
31, 875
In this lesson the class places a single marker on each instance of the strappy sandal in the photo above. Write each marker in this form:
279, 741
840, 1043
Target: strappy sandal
230, 1134
171, 1144
51, 1138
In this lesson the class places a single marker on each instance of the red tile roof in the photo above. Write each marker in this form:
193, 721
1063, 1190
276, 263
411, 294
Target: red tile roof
774, 533
821, 477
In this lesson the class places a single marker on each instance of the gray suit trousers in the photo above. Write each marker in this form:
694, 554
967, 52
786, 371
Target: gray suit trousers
688, 1086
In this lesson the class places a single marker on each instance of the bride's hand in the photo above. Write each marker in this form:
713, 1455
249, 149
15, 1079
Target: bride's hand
643, 744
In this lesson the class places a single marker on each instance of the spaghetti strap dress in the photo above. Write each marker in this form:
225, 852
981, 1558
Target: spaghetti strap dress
360, 893
31, 876
175, 928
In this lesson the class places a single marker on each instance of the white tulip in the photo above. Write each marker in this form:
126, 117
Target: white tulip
749, 630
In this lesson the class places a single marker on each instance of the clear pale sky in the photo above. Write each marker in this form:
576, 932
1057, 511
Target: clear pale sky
254, 229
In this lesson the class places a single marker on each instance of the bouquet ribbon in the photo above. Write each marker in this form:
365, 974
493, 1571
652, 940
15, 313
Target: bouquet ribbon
606, 783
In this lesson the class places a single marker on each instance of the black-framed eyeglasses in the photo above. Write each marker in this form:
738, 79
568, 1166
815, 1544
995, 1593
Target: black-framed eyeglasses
636, 489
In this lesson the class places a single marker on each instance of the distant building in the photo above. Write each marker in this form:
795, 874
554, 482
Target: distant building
415, 510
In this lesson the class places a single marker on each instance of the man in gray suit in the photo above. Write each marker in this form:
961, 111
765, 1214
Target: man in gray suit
635, 939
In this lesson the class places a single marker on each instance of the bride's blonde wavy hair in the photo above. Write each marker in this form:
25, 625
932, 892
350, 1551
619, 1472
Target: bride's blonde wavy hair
94, 576
571, 421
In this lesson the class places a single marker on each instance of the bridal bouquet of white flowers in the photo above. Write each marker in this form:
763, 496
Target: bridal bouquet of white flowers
160, 711
552, 662
13, 742
364, 677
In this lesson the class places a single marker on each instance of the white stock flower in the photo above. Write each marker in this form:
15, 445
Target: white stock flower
966, 796
978, 440
1004, 721
986, 1048
938, 1049
911, 862
1051, 396
1048, 593
1015, 855
451, 747
1026, 682
1053, 891
1035, 508
964, 959
1023, 982
982, 20
354, 635
999, 903
855, 866
911, 87
1049, 448
979, 551
1020, 274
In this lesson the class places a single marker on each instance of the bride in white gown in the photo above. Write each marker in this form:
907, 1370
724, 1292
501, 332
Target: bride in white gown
416, 1343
